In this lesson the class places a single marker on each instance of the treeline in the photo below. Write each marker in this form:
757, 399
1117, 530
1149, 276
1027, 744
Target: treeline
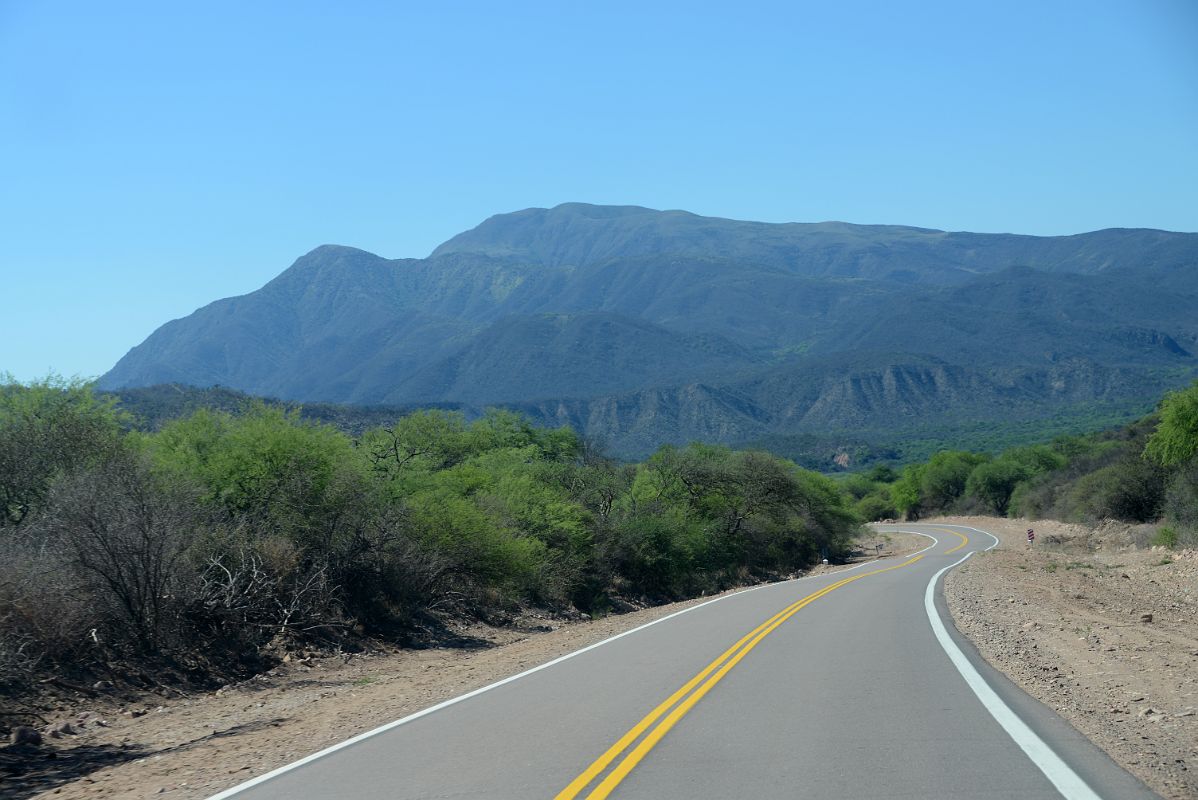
151, 407
1143, 472
206, 545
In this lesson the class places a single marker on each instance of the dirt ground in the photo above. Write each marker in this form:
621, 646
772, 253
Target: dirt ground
194, 746
1066, 620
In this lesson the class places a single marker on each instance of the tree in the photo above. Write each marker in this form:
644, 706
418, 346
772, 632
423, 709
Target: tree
993, 482
1175, 440
48, 427
944, 477
882, 473
905, 493
876, 505
1036, 458
432, 439
267, 467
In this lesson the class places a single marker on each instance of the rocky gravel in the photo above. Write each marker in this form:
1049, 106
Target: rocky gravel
1101, 627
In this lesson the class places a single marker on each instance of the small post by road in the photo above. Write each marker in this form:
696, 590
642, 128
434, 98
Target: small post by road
1031, 537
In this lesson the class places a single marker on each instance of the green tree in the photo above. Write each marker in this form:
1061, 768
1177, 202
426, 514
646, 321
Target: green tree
905, 492
944, 477
876, 505
431, 439
1036, 458
47, 428
994, 482
857, 484
882, 473
1175, 440
267, 468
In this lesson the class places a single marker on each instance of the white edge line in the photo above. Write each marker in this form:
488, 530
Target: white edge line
1066, 781
241, 787
935, 541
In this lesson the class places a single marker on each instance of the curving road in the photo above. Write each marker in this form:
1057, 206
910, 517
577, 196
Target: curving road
848, 685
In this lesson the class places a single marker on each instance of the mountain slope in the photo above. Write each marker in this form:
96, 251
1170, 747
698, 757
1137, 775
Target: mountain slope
551, 355
1022, 315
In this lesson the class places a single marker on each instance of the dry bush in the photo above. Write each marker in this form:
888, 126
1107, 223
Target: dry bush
121, 531
45, 620
250, 594
388, 578
19, 657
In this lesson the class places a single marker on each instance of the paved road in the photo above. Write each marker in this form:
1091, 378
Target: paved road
839, 686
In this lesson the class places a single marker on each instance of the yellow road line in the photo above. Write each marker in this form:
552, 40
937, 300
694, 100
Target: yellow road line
601, 763
964, 540
728, 659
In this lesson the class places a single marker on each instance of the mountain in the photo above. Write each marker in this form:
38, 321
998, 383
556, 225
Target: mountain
643, 326
580, 234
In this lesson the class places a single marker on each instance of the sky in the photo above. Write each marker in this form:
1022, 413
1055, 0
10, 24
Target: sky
155, 157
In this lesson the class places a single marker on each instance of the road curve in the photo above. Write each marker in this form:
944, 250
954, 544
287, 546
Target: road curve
853, 684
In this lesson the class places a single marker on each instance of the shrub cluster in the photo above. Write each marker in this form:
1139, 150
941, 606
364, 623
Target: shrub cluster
203, 545
1144, 472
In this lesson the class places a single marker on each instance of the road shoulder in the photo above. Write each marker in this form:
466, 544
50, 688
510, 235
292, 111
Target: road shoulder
1063, 622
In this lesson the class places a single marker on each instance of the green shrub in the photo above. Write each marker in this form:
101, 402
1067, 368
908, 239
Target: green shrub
1131, 489
48, 428
876, 506
1181, 496
1175, 440
1165, 537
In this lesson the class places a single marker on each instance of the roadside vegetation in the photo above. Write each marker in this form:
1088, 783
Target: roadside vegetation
1143, 472
204, 548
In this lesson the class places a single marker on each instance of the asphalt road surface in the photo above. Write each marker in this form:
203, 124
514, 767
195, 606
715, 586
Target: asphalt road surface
848, 685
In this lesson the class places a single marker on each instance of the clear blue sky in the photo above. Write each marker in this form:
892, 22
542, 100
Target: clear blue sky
155, 157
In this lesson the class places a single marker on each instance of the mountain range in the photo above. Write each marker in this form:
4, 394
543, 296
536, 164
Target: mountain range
641, 327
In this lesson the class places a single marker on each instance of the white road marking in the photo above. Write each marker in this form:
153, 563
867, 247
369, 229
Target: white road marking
241, 787
1066, 781
935, 541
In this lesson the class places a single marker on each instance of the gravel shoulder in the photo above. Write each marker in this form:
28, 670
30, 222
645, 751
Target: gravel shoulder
1067, 620
191, 747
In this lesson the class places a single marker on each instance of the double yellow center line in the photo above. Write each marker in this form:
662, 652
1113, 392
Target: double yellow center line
964, 539
712, 674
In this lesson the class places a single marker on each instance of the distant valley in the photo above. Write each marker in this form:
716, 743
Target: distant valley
640, 327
